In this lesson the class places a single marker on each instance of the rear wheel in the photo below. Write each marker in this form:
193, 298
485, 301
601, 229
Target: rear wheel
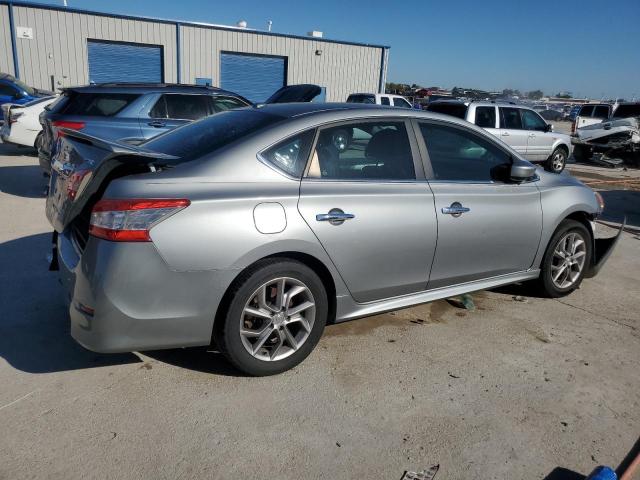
566, 259
557, 161
276, 315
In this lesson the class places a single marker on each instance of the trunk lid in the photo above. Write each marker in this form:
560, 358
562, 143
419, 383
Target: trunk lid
83, 165
295, 93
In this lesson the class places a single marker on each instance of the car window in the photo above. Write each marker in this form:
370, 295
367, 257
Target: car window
458, 110
291, 154
384, 101
401, 102
7, 90
601, 111
586, 111
187, 107
222, 104
361, 99
457, 154
628, 110
486, 117
96, 104
510, 118
363, 151
532, 121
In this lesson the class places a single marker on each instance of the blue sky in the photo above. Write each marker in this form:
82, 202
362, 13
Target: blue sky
588, 47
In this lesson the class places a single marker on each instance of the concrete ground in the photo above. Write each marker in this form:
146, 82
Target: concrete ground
520, 388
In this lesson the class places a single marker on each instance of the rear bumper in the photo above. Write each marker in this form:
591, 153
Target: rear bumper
45, 161
123, 297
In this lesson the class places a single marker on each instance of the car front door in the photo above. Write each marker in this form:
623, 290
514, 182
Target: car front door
539, 141
365, 198
511, 131
486, 226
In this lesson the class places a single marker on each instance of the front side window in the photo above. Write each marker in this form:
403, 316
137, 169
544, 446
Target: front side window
357, 98
401, 102
384, 101
222, 104
486, 117
532, 121
291, 154
363, 151
457, 154
187, 107
510, 118
586, 111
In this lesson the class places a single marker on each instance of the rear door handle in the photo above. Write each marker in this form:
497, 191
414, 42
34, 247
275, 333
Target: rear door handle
455, 210
334, 217
157, 124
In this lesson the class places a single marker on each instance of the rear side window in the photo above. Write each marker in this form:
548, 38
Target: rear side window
291, 154
212, 133
181, 107
384, 101
97, 104
361, 99
486, 117
222, 104
510, 118
601, 111
401, 102
458, 110
363, 151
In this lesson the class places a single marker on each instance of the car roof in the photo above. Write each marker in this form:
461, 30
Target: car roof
141, 88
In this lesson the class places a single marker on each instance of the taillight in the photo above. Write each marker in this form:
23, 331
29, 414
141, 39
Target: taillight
573, 127
66, 124
77, 182
131, 220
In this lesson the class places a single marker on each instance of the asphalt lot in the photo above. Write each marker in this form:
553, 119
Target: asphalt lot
519, 388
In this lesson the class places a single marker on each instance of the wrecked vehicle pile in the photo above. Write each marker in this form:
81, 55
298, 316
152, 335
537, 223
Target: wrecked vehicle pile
615, 138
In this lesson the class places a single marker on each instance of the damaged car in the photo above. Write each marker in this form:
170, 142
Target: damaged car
619, 135
253, 228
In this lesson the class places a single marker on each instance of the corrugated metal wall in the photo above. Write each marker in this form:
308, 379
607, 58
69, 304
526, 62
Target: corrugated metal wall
342, 68
59, 44
59, 48
6, 57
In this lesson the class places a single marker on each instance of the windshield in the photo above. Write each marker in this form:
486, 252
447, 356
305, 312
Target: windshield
23, 86
626, 111
212, 133
454, 109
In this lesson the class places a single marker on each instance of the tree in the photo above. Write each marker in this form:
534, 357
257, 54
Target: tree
535, 94
507, 92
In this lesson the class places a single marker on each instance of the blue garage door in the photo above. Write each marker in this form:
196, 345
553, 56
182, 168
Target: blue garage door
124, 62
255, 77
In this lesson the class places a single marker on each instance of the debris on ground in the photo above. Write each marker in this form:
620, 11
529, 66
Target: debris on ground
520, 298
427, 474
463, 301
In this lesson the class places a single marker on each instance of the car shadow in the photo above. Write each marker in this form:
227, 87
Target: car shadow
11, 150
200, 359
22, 181
34, 324
560, 473
621, 203
524, 289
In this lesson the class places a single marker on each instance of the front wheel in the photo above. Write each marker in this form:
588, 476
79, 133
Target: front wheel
556, 161
276, 314
566, 259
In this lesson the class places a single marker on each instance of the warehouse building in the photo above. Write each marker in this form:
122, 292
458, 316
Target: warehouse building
50, 47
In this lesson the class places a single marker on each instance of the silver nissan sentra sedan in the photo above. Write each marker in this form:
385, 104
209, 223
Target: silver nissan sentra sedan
254, 228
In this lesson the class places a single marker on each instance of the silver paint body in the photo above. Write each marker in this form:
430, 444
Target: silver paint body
398, 250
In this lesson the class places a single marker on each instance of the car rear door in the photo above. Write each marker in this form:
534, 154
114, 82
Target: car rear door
364, 197
511, 131
172, 110
539, 141
486, 226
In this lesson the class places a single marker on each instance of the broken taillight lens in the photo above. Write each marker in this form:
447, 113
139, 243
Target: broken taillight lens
77, 182
131, 220
66, 124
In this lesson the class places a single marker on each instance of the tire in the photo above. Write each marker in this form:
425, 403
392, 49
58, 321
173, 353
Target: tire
281, 331
582, 153
557, 161
552, 263
38, 141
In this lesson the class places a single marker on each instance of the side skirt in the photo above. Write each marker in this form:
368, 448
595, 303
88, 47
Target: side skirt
347, 309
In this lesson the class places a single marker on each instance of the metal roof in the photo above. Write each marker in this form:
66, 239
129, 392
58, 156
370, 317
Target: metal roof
181, 22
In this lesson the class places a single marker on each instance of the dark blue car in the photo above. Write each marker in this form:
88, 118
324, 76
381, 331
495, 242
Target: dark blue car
15, 91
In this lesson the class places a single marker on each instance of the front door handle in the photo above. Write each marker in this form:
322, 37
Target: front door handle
334, 217
455, 210
532, 134
157, 124
505, 134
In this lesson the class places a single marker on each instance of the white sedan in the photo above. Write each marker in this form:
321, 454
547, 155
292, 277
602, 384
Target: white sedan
21, 122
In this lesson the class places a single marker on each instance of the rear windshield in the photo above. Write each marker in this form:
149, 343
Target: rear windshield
212, 133
361, 99
96, 104
626, 111
454, 109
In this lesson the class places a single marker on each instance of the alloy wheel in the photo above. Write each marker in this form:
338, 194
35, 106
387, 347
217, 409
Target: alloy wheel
568, 260
277, 319
558, 160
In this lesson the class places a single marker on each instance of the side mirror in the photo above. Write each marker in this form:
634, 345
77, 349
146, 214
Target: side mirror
521, 172
548, 128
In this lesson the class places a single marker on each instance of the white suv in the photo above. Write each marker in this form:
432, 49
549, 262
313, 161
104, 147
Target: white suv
379, 99
522, 128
